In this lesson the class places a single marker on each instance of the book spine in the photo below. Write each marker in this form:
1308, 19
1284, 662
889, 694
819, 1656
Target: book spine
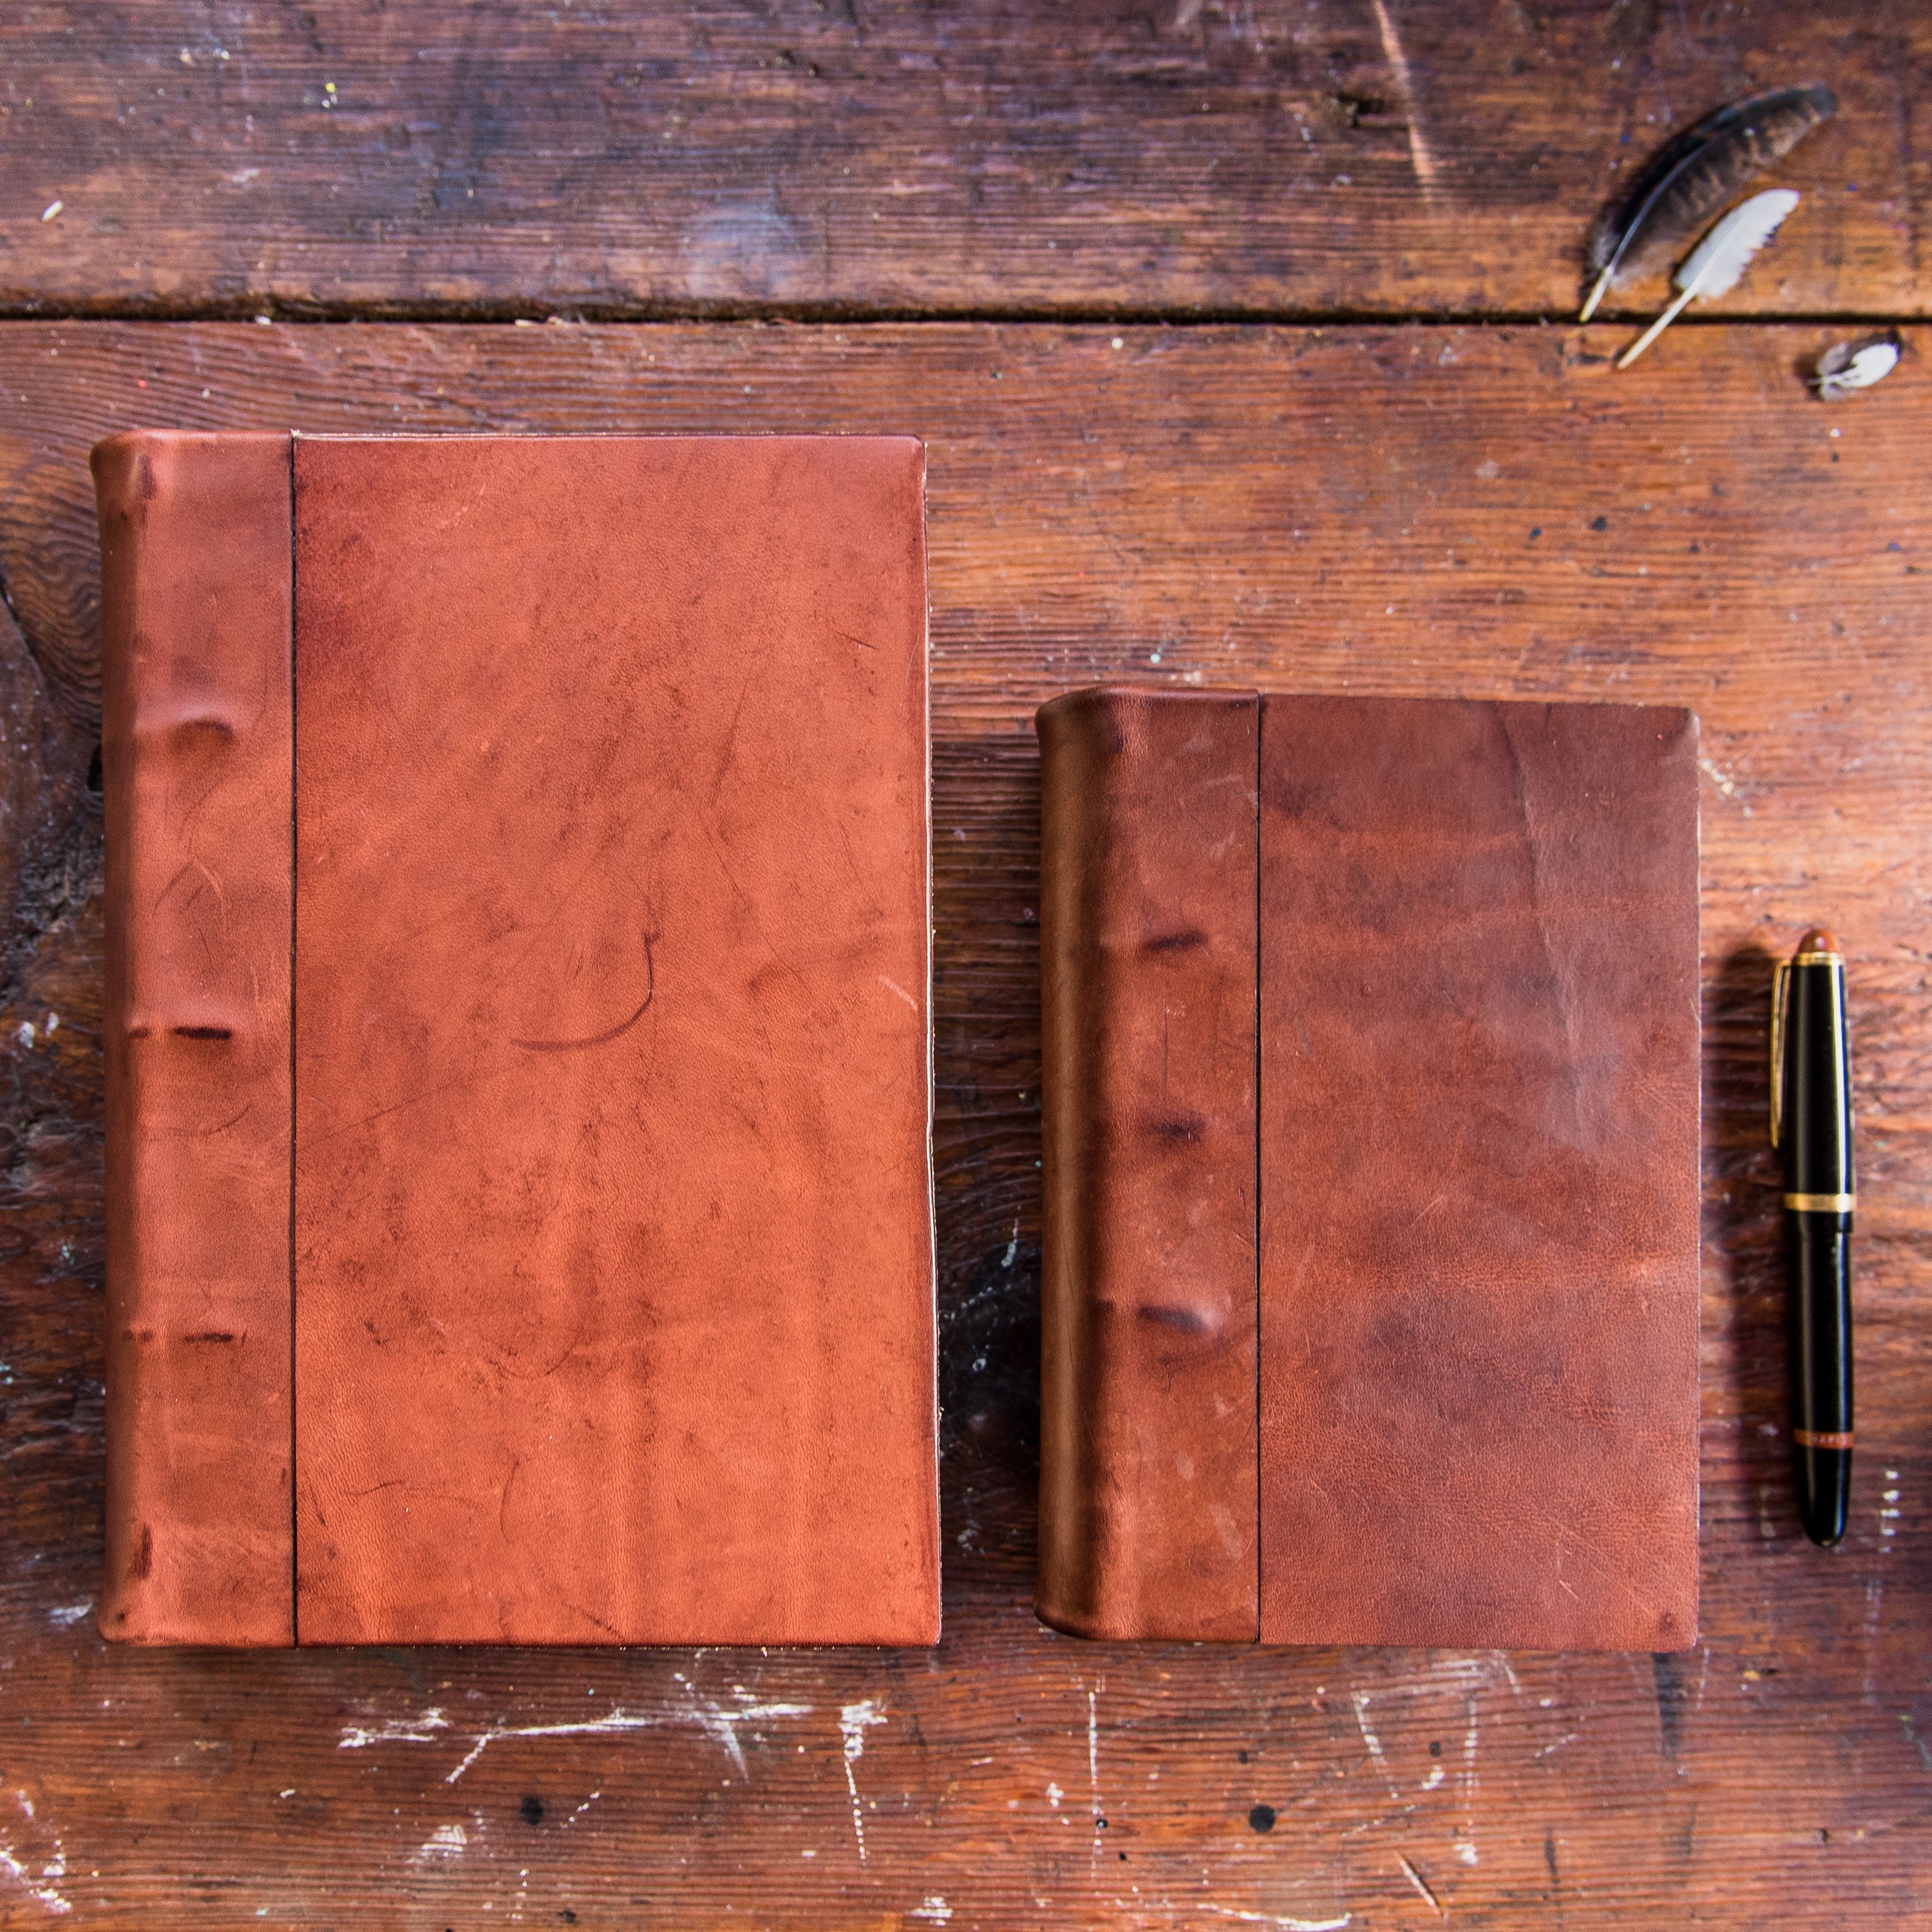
1149, 1482
197, 756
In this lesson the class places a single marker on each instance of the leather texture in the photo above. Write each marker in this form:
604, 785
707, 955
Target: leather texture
1479, 1035
611, 1235
196, 757
1148, 1476
1477, 1208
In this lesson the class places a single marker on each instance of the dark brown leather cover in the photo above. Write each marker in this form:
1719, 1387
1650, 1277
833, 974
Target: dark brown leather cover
610, 1233
1147, 1493
1478, 1200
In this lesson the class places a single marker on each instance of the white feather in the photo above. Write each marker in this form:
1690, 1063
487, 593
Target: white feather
1713, 268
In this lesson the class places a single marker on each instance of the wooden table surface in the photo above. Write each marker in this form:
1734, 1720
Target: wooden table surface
1239, 334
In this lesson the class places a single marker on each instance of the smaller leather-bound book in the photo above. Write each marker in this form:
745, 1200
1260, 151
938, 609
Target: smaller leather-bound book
1372, 1171
519, 1199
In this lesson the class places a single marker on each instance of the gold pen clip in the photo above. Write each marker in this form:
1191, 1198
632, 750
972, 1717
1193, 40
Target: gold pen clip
1780, 973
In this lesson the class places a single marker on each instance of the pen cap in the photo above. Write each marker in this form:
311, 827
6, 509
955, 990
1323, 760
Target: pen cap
1814, 1072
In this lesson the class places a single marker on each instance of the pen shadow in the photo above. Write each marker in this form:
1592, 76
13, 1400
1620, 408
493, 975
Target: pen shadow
1746, 1344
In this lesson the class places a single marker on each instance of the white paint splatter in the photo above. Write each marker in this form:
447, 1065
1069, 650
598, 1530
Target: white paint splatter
1012, 1248
42, 1891
853, 1719
67, 1615
1434, 1777
721, 1724
935, 1910
1093, 1762
1360, 1701
39, 1890
1720, 777
1465, 1848
1888, 1528
446, 1841
397, 1730
1053, 1795
23, 1034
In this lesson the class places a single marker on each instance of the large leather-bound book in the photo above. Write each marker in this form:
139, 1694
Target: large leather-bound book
519, 1202
1371, 1169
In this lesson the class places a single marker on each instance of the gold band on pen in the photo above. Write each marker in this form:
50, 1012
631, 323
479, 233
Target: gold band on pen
1817, 959
1821, 1204
1821, 1439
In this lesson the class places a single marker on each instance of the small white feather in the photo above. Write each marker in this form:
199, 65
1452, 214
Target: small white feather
1714, 267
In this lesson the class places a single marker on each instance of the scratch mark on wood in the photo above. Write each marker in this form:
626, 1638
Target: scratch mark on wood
719, 1722
1283, 1924
1421, 1885
1419, 158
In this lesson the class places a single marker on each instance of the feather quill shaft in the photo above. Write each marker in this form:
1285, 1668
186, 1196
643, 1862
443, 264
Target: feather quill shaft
1714, 266
1696, 175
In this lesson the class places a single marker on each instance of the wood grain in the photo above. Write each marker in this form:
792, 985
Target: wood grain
1413, 509
1280, 159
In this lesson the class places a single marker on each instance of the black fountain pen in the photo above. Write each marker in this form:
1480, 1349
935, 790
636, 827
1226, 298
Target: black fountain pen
1811, 1121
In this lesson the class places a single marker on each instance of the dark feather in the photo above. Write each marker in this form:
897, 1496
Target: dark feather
1692, 178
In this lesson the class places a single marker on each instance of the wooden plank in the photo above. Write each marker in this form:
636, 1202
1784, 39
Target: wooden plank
823, 158
1403, 510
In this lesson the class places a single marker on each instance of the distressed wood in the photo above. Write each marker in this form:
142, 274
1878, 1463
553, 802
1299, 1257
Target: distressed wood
1264, 158
1412, 509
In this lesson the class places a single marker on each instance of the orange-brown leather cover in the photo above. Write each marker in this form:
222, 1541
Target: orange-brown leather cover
1475, 1235
609, 1246
196, 757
